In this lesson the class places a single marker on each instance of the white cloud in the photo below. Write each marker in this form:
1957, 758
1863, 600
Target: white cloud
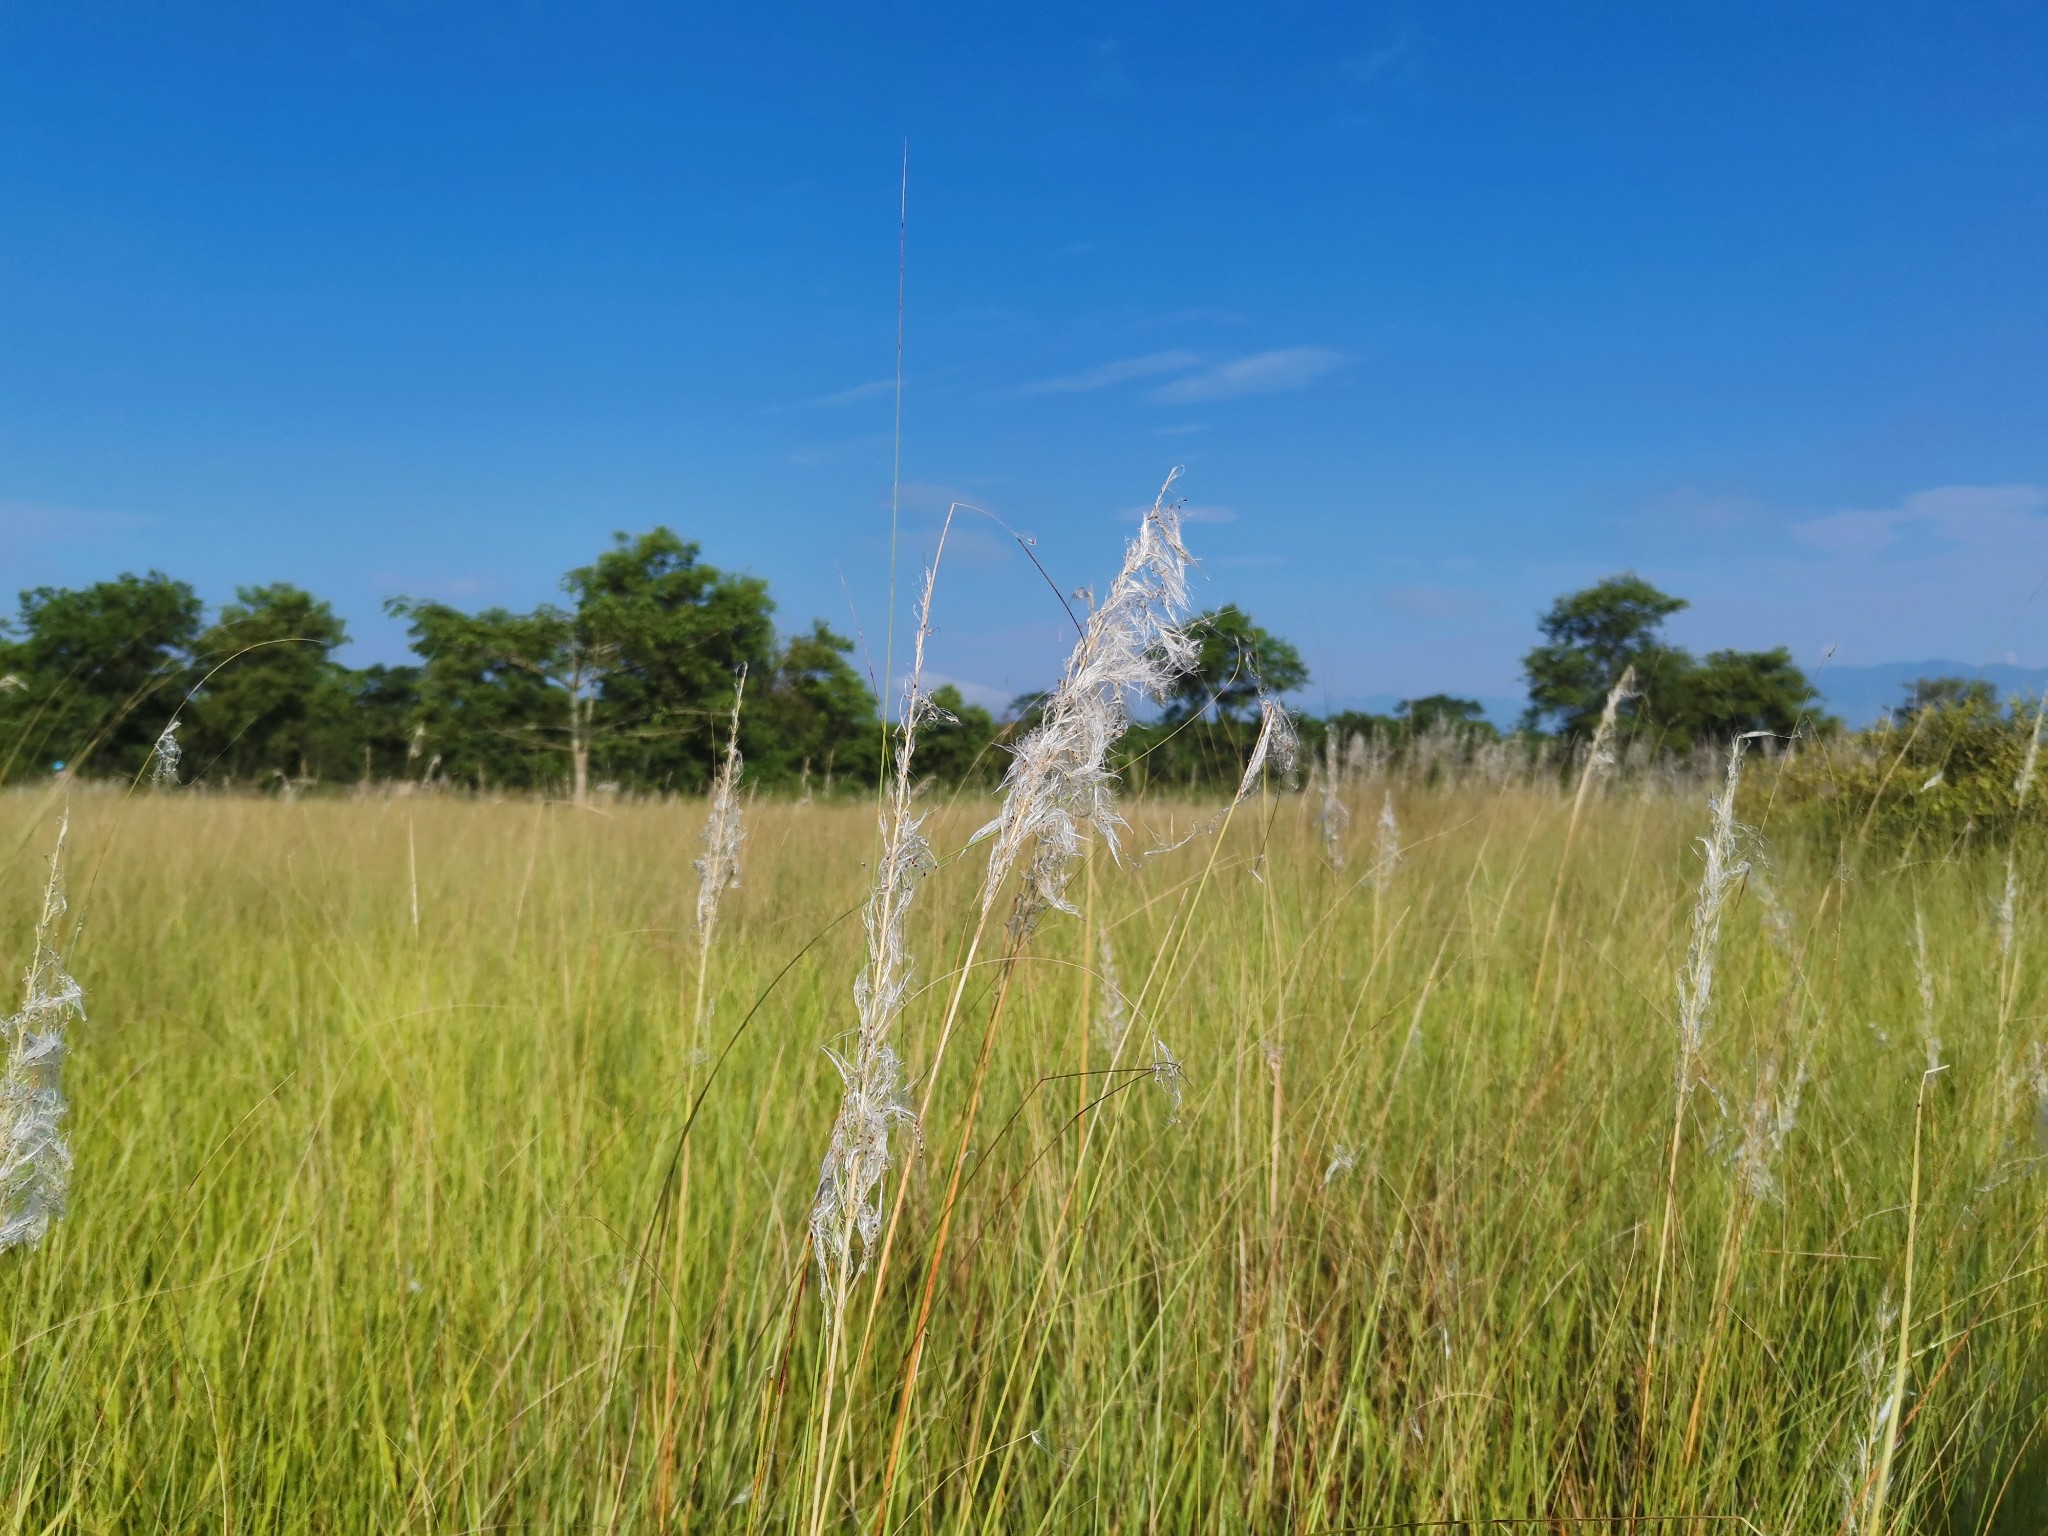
1263, 373
1123, 371
1969, 515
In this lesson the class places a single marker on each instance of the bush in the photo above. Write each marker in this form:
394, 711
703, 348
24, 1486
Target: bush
1948, 765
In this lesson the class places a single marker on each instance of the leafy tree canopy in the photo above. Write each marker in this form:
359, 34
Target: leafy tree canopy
271, 700
1945, 693
959, 747
98, 672
1592, 636
672, 634
492, 704
1589, 639
1235, 661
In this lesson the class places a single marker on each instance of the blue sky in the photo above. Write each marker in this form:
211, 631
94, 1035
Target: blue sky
1446, 309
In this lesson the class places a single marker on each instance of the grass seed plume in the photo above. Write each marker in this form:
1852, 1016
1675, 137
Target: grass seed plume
1059, 778
848, 1203
718, 867
35, 1160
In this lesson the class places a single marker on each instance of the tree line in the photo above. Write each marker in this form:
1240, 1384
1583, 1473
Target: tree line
630, 678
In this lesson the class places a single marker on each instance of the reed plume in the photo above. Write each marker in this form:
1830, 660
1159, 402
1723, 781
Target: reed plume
718, 867
1923, 979
1333, 816
1386, 847
2009, 899
848, 1204
1772, 1117
1599, 758
1059, 778
1113, 1020
1722, 873
164, 757
1278, 746
35, 1160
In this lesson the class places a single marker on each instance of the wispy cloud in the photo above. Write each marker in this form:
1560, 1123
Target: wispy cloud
858, 393
1958, 514
1263, 373
1122, 371
1182, 429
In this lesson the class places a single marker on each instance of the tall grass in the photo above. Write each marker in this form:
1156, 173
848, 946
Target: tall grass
377, 1100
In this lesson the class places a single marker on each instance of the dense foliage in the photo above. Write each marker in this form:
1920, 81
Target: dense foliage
628, 680
1592, 637
1950, 764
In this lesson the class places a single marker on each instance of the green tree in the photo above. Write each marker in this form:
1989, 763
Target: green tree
494, 693
385, 702
1235, 661
1733, 692
98, 672
1589, 638
1947, 765
669, 635
273, 702
1945, 693
1592, 636
814, 713
957, 748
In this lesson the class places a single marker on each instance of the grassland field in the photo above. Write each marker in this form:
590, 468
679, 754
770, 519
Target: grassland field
391, 1210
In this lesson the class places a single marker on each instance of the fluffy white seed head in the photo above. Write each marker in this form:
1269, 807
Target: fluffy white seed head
35, 1160
1278, 746
164, 758
1923, 978
2023, 784
1333, 816
1168, 1073
1386, 847
1859, 1468
718, 866
1113, 1018
847, 1210
1722, 871
1600, 756
1772, 1117
1059, 780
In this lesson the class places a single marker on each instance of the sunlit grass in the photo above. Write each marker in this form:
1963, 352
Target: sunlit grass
372, 1225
